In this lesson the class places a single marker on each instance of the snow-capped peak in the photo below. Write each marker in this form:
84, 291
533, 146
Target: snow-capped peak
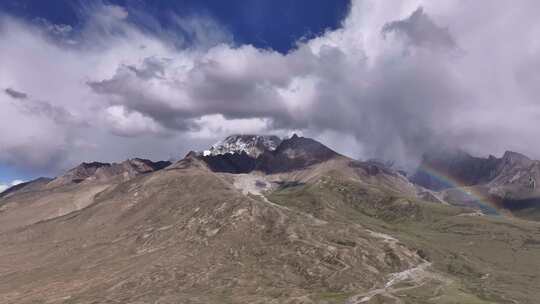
253, 145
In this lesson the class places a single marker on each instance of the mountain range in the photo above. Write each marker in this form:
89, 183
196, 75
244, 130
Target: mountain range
259, 219
505, 185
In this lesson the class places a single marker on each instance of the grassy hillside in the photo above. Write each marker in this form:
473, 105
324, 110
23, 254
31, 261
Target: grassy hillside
481, 259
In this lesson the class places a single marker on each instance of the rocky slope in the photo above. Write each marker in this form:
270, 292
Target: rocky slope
290, 154
305, 225
43, 199
458, 165
96, 171
32, 185
507, 183
252, 145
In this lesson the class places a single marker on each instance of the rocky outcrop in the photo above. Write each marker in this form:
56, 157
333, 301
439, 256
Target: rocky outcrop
291, 154
96, 171
252, 145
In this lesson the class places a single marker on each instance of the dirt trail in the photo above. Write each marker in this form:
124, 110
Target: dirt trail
416, 276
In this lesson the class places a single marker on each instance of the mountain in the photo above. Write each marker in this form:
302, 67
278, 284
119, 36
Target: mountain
268, 154
293, 154
458, 165
43, 199
507, 183
302, 224
35, 184
252, 145
104, 171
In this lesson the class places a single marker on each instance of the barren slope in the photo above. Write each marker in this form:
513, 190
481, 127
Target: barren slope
333, 231
166, 237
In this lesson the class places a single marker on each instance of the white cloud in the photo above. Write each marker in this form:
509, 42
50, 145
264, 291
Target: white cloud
390, 96
216, 126
125, 123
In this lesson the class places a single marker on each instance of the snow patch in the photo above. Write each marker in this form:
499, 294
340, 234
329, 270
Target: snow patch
253, 145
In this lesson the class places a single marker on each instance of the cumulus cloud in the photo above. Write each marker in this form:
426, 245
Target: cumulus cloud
420, 30
125, 123
388, 81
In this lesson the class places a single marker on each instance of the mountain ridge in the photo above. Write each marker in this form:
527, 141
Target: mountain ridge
91, 171
312, 227
507, 183
293, 153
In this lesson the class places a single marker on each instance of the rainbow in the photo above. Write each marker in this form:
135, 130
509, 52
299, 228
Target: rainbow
474, 196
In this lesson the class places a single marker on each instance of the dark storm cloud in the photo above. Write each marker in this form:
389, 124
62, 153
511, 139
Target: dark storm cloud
15, 94
42, 108
420, 30
129, 88
45, 109
50, 111
209, 87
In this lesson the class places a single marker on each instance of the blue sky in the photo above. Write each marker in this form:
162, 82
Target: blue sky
276, 24
9, 174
